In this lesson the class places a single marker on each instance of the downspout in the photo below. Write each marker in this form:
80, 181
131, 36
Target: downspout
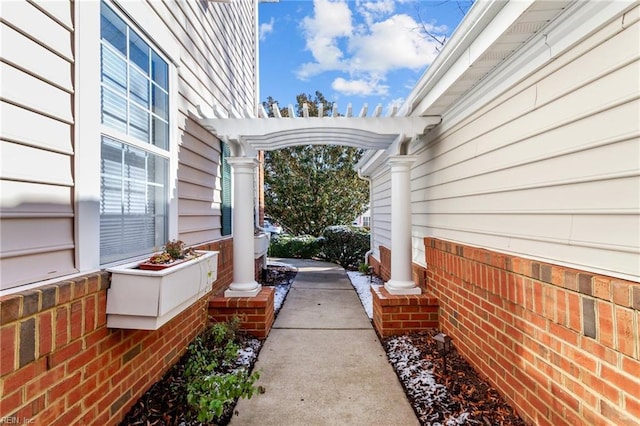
370, 252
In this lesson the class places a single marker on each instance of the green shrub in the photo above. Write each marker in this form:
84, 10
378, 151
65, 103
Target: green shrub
345, 245
301, 246
212, 378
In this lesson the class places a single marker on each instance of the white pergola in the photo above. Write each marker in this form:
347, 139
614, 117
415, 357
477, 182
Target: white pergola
247, 134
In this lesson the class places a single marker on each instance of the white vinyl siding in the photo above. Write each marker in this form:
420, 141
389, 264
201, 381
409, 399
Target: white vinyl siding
36, 148
550, 169
217, 67
381, 208
50, 175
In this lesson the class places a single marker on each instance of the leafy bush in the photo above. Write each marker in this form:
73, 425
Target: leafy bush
301, 246
345, 245
213, 380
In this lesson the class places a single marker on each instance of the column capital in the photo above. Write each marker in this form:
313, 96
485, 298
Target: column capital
401, 160
243, 162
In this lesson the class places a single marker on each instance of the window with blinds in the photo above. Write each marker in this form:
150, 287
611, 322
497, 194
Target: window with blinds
135, 142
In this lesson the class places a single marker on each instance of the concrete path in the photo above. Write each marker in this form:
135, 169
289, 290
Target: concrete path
322, 363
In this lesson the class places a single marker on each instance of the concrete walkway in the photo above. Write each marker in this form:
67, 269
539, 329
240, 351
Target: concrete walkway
322, 363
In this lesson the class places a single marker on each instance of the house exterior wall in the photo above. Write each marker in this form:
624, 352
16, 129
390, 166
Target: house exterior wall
59, 362
525, 217
562, 345
547, 169
50, 133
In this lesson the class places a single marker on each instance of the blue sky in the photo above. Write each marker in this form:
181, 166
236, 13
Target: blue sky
356, 51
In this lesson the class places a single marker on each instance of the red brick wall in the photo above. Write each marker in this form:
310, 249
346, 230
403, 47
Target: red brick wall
561, 344
225, 262
382, 267
61, 365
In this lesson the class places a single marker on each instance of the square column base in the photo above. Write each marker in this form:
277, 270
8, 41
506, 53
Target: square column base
243, 293
400, 314
256, 313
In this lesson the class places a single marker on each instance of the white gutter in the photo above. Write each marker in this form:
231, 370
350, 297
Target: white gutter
469, 41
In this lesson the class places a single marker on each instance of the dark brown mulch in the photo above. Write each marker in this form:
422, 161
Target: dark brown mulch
165, 403
278, 275
457, 396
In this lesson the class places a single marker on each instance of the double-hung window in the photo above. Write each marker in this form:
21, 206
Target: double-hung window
135, 145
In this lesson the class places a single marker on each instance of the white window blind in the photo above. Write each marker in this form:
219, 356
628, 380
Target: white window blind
135, 115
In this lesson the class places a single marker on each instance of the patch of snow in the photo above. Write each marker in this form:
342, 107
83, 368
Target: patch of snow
247, 354
459, 420
362, 284
416, 374
281, 291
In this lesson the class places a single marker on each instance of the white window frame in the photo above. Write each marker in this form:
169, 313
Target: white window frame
89, 129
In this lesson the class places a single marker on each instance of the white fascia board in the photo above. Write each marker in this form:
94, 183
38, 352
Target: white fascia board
486, 25
480, 14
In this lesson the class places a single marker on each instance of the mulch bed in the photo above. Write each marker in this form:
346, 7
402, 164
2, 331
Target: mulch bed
165, 403
457, 396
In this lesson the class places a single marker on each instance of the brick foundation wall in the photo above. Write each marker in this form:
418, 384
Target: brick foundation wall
562, 345
382, 267
225, 262
61, 365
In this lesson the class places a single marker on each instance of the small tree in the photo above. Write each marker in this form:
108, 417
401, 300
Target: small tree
310, 187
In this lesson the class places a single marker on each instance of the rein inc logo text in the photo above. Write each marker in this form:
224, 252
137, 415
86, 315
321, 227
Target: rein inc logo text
12, 420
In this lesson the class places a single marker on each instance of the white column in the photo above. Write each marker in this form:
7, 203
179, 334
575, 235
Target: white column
401, 281
244, 283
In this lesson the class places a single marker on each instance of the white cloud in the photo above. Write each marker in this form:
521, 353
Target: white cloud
394, 43
331, 21
359, 87
266, 28
371, 10
382, 42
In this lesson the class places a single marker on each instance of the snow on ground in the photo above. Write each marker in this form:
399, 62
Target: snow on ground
281, 291
248, 353
416, 374
362, 284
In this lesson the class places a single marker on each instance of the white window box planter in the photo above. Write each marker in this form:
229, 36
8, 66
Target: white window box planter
260, 245
145, 300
